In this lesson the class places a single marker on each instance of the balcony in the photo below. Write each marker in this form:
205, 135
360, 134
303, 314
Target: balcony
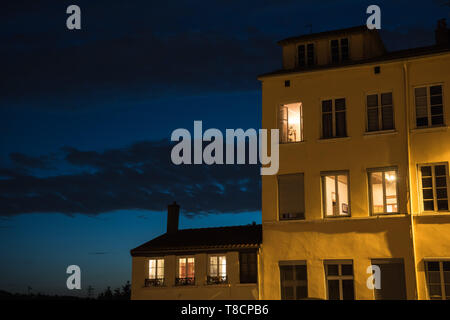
185, 281
154, 282
217, 279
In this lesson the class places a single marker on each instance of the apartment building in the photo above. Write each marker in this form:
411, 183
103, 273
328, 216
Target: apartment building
206, 263
364, 169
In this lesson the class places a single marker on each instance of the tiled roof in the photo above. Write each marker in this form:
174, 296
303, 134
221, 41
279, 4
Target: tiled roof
249, 236
325, 34
389, 56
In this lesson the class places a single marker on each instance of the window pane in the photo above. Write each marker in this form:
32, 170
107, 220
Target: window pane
343, 195
190, 268
428, 205
152, 269
347, 290
310, 54
386, 99
301, 292
436, 90
446, 267
332, 269
437, 120
391, 191
333, 290
433, 266
291, 196
287, 272
434, 277
330, 195
436, 100
334, 51
340, 104
440, 170
442, 205
294, 122
435, 291
300, 273
426, 171
283, 123
301, 55
387, 115
441, 193
441, 182
341, 128
376, 179
372, 100
327, 125
347, 269
372, 119
182, 272
427, 182
288, 293
428, 193
327, 106
344, 49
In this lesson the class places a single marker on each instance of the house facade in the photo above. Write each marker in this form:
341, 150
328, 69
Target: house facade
364, 169
207, 263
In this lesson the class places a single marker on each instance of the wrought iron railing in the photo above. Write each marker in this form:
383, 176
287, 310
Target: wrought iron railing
154, 282
217, 279
185, 281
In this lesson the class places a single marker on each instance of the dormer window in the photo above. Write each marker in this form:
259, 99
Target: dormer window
306, 55
339, 50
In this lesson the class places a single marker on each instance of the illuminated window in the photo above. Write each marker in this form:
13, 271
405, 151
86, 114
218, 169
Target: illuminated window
155, 272
339, 277
335, 188
217, 269
429, 106
438, 279
290, 122
291, 196
434, 187
186, 271
293, 280
333, 119
380, 113
383, 191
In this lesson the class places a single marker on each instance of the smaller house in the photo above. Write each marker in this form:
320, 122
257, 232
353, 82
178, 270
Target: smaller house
207, 263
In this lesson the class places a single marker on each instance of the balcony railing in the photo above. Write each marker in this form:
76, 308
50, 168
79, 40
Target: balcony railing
154, 282
185, 281
217, 279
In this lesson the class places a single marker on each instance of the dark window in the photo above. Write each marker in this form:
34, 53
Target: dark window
301, 55
376, 69
339, 276
344, 49
310, 53
291, 196
392, 280
334, 51
248, 267
434, 187
380, 112
287, 83
438, 279
334, 118
429, 106
293, 279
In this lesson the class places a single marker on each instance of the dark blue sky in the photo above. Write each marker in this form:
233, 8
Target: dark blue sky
85, 172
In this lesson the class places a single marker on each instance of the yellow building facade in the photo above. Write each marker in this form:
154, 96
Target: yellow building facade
364, 170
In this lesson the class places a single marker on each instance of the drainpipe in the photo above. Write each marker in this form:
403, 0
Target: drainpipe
408, 145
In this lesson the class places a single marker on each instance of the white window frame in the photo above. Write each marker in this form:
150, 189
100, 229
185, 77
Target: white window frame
305, 44
419, 174
380, 111
428, 86
301, 122
383, 170
333, 118
155, 281
324, 174
339, 39
221, 278
178, 266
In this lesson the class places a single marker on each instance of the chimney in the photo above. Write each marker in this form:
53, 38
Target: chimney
442, 34
173, 212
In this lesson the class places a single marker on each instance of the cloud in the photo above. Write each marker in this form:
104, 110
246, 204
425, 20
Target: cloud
140, 176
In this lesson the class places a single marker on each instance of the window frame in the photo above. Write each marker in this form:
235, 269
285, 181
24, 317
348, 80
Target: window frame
330, 53
324, 174
339, 277
294, 263
248, 269
429, 117
333, 118
218, 278
305, 58
441, 277
433, 178
156, 282
302, 137
380, 111
369, 182
278, 194
179, 281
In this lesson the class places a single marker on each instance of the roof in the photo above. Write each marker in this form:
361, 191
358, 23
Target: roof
237, 237
389, 56
324, 34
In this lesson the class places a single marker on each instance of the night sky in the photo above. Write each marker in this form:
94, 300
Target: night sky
86, 117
